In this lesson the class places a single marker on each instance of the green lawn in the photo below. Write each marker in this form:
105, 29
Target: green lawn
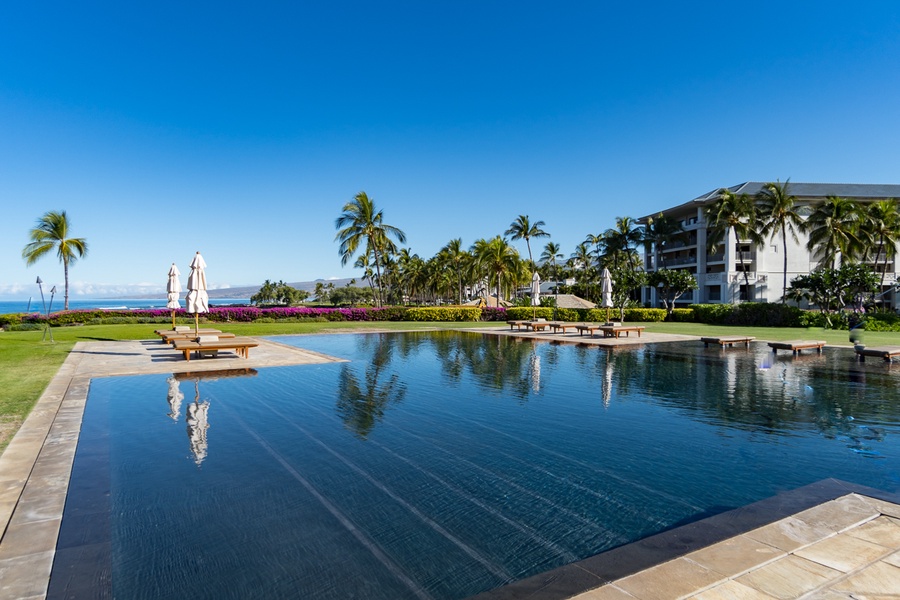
27, 364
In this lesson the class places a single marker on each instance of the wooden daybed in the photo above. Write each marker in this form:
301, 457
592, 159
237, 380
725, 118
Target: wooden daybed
796, 346
617, 330
727, 340
885, 352
558, 326
240, 345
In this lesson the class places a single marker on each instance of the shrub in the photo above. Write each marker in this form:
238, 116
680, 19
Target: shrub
444, 313
493, 314
682, 315
712, 314
882, 322
649, 315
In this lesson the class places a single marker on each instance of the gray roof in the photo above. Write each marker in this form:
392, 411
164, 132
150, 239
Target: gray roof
803, 191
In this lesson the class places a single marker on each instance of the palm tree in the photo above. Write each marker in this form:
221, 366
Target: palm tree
658, 232
776, 207
833, 228
737, 213
498, 258
52, 232
553, 252
882, 223
523, 228
359, 222
618, 241
456, 256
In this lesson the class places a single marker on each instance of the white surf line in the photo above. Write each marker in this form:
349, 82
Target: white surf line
524, 490
522, 528
496, 570
361, 536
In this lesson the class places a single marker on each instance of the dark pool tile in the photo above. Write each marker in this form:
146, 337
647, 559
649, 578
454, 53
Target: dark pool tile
81, 572
557, 584
83, 529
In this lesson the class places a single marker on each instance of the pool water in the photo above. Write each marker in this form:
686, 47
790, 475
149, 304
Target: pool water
438, 465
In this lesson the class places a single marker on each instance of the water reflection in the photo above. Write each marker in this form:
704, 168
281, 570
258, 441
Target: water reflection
197, 412
362, 402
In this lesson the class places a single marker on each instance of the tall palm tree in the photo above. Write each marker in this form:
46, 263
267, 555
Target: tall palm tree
456, 257
499, 259
778, 213
523, 228
833, 228
52, 233
735, 212
619, 240
882, 223
361, 222
659, 231
551, 254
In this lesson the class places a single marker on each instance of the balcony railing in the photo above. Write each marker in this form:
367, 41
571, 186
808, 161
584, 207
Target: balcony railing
680, 260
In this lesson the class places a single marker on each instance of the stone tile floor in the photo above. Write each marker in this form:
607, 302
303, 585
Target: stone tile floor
848, 547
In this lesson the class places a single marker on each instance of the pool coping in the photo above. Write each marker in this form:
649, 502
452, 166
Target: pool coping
36, 466
591, 573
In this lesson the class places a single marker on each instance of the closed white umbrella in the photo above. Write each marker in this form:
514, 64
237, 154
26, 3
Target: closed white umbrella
174, 398
606, 291
535, 293
173, 290
197, 300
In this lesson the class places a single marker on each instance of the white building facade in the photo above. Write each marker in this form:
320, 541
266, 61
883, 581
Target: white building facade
740, 272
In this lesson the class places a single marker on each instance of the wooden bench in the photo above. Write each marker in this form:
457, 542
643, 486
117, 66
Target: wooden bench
727, 340
589, 327
240, 345
539, 325
516, 324
796, 346
617, 330
885, 352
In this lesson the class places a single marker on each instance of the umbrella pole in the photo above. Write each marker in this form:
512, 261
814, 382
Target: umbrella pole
173, 319
607, 314
197, 324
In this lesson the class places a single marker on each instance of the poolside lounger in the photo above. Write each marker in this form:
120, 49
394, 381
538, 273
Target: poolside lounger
617, 330
796, 346
589, 327
537, 325
727, 340
193, 337
558, 326
240, 345
885, 352
516, 324
165, 334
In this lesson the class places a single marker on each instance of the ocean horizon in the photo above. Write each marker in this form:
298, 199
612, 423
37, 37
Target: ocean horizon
35, 305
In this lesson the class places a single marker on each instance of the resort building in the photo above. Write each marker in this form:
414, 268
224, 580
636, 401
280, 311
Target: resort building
737, 271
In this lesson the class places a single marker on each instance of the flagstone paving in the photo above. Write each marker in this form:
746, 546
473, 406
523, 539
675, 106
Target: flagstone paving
847, 547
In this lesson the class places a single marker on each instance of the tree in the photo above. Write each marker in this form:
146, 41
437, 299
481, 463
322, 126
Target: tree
52, 232
551, 255
672, 284
882, 225
776, 206
618, 241
659, 231
498, 258
831, 289
523, 228
833, 228
360, 222
456, 257
625, 280
738, 213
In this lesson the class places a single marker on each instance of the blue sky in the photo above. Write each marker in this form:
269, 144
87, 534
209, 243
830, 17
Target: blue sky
240, 130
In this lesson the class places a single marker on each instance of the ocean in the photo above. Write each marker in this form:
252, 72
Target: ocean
17, 306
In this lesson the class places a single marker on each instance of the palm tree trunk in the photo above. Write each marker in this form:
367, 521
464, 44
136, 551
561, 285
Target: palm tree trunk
66, 273
784, 281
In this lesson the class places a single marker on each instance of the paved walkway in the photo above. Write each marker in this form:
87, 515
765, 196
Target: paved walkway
847, 547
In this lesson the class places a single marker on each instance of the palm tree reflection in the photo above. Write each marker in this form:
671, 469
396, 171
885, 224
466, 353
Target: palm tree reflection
361, 403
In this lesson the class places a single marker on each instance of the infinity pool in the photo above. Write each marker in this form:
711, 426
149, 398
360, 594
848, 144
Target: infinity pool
438, 465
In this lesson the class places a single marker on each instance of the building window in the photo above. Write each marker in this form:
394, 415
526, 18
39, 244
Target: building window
714, 293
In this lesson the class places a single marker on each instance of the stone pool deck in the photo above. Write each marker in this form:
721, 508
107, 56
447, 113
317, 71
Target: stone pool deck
828, 540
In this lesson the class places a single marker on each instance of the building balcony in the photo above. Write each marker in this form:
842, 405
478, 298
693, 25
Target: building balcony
677, 261
714, 258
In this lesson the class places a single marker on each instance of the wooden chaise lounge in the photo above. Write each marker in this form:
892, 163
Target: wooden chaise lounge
796, 346
165, 334
191, 336
558, 326
537, 325
727, 340
617, 330
885, 352
518, 324
240, 345
589, 327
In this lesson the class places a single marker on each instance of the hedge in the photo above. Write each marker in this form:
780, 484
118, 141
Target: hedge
444, 313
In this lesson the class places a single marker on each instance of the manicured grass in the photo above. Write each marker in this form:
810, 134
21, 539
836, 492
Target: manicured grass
27, 364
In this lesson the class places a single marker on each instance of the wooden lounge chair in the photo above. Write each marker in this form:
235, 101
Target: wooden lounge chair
617, 330
240, 345
558, 326
166, 334
193, 337
727, 340
589, 327
517, 324
796, 346
537, 324
885, 352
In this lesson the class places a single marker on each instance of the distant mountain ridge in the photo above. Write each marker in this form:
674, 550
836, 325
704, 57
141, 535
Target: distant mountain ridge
248, 290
